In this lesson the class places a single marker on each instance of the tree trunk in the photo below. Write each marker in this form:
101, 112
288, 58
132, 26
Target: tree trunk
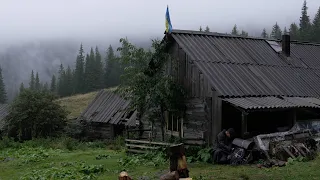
162, 122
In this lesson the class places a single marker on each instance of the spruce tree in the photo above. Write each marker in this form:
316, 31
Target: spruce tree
285, 30
294, 32
207, 29
112, 70
3, 93
305, 23
21, 87
68, 85
61, 81
316, 27
98, 70
45, 87
79, 72
276, 32
53, 84
200, 29
32, 81
89, 71
264, 33
244, 33
37, 83
235, 30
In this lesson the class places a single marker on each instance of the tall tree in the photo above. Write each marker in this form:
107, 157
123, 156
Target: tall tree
316, 27
37, 85
305, 24
68, 82
79, 72
276, 32
200, 29
3, 93
89, 71
53, 84
98, 70
244, 33
45, 87
235, 30
207, 29
285, 30
32, 81
61, 81
112, 70
264, 33
21, 87
294, 32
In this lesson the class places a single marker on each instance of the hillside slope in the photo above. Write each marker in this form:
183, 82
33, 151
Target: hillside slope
78, 103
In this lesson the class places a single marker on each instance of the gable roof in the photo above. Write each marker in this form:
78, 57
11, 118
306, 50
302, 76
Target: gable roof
245, 67
108, 107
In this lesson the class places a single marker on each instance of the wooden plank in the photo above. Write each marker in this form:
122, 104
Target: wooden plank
148, 142
136, 151
140, 146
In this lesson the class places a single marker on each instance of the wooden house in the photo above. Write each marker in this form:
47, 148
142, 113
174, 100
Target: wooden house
250, 84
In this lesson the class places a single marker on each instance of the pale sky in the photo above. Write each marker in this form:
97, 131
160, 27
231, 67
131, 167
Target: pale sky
33, 19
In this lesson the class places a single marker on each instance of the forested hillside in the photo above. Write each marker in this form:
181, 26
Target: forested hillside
66, 69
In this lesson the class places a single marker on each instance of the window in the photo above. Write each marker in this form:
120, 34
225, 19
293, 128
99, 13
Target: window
174, 125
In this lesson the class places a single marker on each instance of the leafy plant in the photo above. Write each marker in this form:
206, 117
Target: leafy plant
204, 155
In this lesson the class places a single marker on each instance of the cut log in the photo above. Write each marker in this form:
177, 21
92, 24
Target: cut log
124, 176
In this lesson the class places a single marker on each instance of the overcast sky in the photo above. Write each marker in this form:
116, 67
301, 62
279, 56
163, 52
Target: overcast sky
33, 19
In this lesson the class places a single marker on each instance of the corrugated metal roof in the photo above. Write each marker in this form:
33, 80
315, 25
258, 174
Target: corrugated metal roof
250, 103
4, 110
239, 67
108, 107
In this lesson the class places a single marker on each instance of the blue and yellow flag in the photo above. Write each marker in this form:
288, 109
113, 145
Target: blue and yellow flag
168, 22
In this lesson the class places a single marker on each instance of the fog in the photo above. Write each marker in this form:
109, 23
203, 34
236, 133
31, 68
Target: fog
40, 34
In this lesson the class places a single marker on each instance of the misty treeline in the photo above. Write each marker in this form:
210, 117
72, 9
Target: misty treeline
92, 72
307, 30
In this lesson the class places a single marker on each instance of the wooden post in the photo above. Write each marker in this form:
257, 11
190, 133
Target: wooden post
216, 121
294, 117
244, 127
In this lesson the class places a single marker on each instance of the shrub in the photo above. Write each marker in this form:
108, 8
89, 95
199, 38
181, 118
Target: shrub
35, 114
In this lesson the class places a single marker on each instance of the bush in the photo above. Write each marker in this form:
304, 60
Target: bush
35, 114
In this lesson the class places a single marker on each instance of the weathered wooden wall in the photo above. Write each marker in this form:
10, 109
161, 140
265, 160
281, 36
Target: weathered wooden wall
101, 131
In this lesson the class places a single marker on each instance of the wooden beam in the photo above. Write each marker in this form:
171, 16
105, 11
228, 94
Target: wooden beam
216, 124
244, 126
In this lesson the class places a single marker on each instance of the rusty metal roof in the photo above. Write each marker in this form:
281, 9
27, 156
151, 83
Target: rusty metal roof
108, 107
241, 67
251, 103
4, 110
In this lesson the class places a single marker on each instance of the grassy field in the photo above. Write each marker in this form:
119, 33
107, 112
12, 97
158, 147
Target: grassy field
77, 103
65, 160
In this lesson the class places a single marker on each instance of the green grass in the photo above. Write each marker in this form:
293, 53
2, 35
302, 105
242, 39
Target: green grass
39, 161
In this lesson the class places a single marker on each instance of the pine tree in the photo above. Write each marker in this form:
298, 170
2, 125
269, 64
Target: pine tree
61, 81
68, 85
32, 81
200, 29
207, 29
89, 71
45, 87
264, 33
21, 87
79, 72
294, 32
285, 30
244, 33
276, 32
3, 93
53, 84
37, 83
305, 24
316, 27
112, 70
98, 70
235, 30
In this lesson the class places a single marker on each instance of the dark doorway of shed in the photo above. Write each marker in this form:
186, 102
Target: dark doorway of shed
231, 118
118, 130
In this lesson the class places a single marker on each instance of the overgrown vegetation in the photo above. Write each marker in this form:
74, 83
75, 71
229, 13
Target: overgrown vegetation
35, 114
